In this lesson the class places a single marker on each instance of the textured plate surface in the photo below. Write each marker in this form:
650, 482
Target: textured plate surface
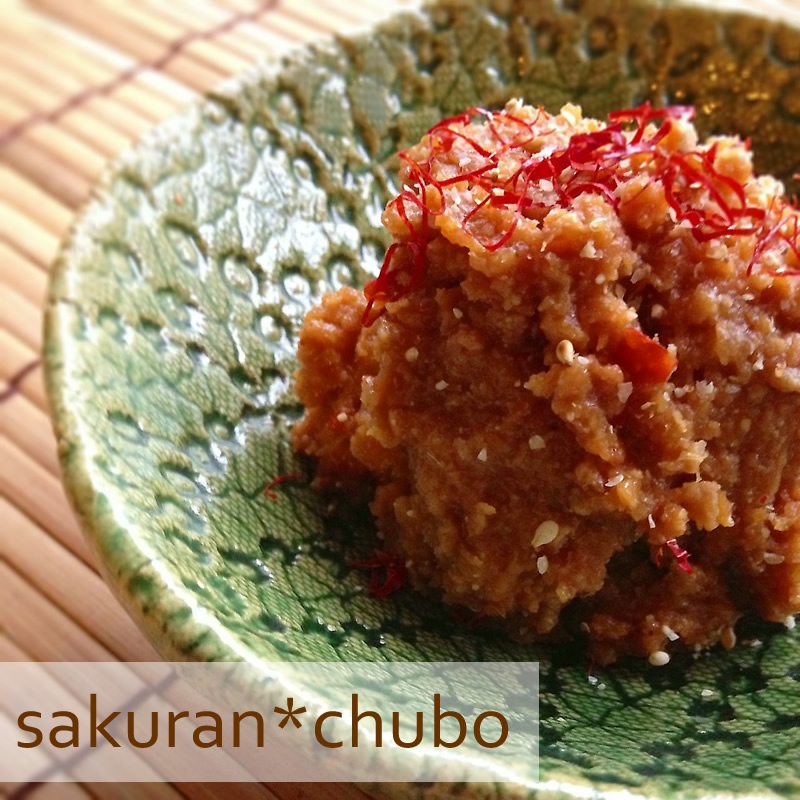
171, 333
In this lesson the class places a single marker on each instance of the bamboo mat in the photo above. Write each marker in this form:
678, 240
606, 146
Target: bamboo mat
79, 80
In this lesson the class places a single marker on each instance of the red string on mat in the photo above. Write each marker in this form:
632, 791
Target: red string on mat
175, 48
16, 380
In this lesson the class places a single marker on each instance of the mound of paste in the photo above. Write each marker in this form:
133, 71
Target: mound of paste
575, 386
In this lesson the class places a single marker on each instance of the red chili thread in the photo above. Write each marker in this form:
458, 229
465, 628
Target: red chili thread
388, 573
467, 617
280, 479
681, 555
711, 204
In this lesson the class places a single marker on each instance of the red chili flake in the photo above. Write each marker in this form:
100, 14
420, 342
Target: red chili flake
643, 359
681, 555
290, 476
781, 234
388, 573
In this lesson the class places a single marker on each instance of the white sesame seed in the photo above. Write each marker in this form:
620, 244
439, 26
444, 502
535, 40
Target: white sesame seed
410, 513
571, 114
483, 455
475, 587
615, 481
458, 313
669, 633
536, 443
412, 354
565, 351
593, 680
789, 622
590, 251
545, 533
658, 658
441, 385
341, 416
624, 391
546, 186
773, 558
707, 693
650, 521
542, 564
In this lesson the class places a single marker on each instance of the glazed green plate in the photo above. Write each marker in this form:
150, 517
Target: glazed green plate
171, 334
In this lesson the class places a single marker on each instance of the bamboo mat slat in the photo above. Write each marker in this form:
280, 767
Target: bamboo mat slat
41, 560
58, 791
68, 72
246, 41
21, 275
29, 236
79, 81
163, 31
61, 143
66, 640
27, 427
47, 172
91, 18
39, 494
90, 124
147, 96
27, 197
25, 323
16, 356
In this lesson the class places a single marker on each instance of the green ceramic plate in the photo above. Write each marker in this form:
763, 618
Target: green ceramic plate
171, 337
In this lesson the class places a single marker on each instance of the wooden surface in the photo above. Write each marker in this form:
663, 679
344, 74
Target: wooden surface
79, 80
